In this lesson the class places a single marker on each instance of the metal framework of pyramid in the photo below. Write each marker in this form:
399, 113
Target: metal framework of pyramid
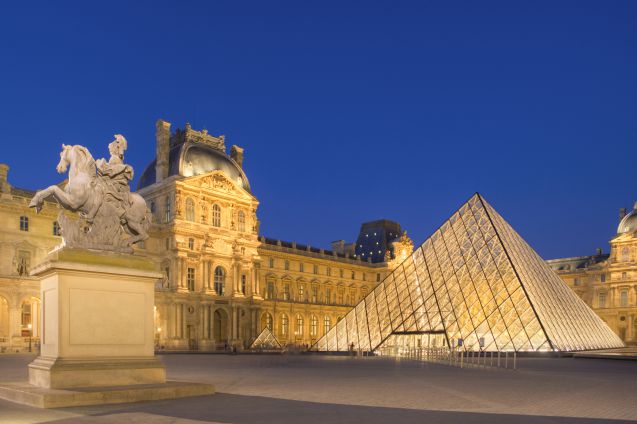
477, 280
266, 341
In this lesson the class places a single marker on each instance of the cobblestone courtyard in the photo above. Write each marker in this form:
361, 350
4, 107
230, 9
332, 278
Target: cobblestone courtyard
320, 389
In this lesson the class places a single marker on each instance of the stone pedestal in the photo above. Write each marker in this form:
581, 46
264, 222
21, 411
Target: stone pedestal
97, 321
97, 334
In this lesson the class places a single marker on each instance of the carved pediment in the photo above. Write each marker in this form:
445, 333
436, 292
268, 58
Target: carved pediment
217, 180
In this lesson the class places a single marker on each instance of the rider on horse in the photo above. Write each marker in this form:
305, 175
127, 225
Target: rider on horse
116, 175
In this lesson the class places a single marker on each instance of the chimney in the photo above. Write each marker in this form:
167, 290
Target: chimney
4, 183
622, 213
162, 135
236, 153
338, 246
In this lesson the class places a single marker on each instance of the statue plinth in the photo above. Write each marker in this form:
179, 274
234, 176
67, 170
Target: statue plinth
97, 321
97, 343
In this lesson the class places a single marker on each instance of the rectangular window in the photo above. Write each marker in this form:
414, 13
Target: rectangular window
286, 265
301, 267
364, 277
243, 284
167, 244
624, 276
329, 271
269, 294
57, 230
327, 323
191, 243
623, 298
315, 269
286, 291
378, 277
328, 295
577, 282
341, 273
301, 292
602, 278
602, 300
314, 294
271, 262
190, 278
353, 275
26, 314
340, 295
167, 212
24, 223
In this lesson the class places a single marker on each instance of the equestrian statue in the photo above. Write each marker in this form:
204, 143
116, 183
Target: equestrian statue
109, 216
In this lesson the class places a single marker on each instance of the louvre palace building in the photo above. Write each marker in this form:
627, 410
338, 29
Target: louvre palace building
224, 283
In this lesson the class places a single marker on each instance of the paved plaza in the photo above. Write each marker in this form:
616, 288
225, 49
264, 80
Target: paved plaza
320, 389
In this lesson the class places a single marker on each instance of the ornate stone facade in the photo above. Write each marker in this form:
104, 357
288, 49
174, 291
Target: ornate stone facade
223, 281
25, 239
608, 282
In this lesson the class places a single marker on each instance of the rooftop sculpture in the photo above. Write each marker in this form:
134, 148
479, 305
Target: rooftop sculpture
109, 217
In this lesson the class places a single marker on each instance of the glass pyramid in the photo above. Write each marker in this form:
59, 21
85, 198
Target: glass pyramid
480, 284
266, 341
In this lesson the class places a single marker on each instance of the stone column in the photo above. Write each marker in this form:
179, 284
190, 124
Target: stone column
256, 271
236, 271
15, 327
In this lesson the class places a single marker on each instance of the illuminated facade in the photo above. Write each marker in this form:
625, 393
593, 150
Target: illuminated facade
224, 282
608, 282
25, 239
477, 285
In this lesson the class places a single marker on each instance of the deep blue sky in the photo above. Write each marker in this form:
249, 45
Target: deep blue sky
348, 111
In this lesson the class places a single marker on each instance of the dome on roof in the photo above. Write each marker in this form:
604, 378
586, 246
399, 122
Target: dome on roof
189, 159
628, 224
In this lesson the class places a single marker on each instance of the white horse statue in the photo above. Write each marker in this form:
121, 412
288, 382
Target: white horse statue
114, 217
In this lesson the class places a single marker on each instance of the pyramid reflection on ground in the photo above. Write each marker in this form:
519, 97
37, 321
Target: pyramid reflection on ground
476, 280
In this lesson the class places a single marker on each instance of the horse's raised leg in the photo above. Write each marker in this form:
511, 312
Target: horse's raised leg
39, 197
63, 198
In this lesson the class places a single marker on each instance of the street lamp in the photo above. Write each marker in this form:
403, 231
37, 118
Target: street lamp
30, 335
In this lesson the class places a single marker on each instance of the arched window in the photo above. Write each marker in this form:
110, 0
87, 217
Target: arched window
56, 229
220, 281
190, 210
313, 325
167, 210
284, 325
327, 324
241, 217
268, 321
216, 215
298, 330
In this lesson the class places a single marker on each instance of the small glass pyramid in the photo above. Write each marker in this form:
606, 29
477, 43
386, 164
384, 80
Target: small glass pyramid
266, 341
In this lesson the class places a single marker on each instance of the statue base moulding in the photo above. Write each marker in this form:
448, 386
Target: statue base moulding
98, 334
